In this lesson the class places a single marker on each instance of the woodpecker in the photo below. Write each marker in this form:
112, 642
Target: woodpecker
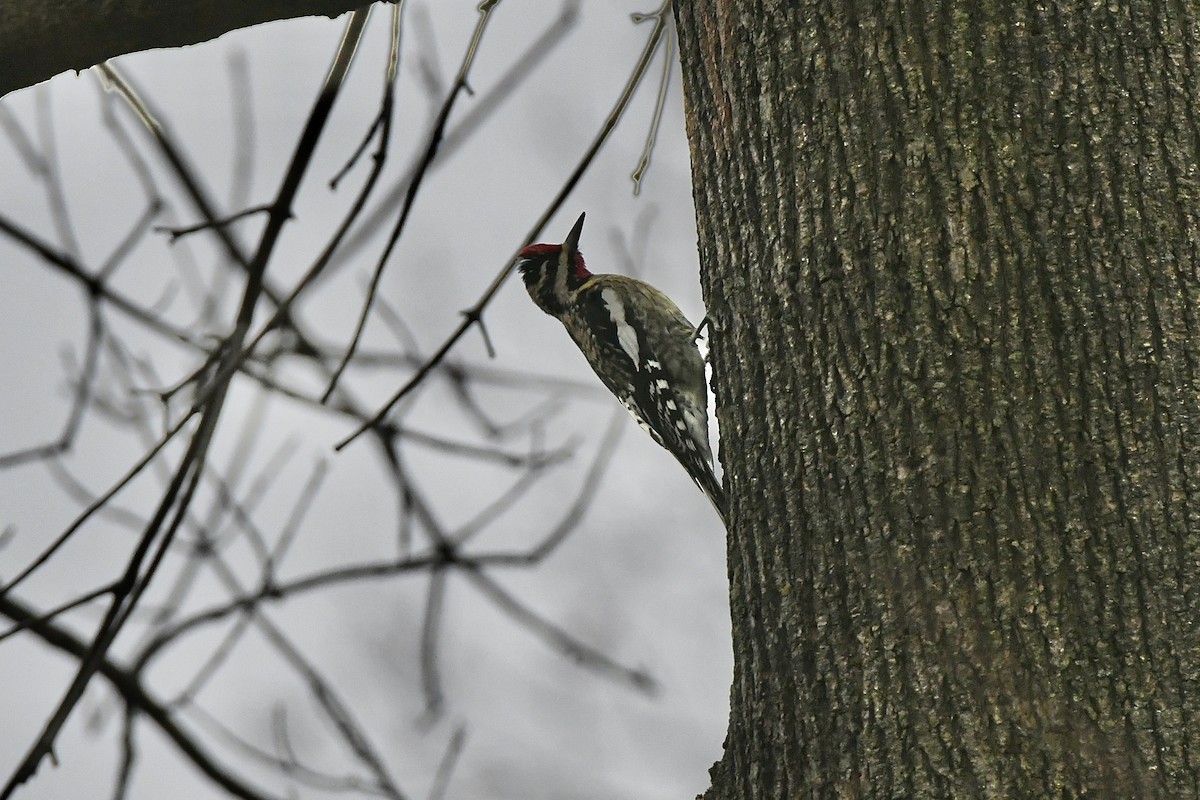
638, 343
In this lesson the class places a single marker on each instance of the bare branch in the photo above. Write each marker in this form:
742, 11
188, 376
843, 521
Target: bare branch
336, 710
35, 47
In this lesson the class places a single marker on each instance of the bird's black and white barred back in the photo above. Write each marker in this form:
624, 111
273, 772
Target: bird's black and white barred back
639, 344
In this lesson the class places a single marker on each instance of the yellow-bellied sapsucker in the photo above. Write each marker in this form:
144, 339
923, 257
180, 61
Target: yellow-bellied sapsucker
639, 344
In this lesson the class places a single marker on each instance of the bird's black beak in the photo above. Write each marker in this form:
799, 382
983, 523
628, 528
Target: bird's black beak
571, 243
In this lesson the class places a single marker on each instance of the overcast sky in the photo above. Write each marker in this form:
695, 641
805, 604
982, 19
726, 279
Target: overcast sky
641, 578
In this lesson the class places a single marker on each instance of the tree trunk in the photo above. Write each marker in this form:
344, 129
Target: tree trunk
951, 255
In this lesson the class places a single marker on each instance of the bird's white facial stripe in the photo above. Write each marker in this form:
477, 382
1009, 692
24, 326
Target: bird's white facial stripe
560, 274
626, 335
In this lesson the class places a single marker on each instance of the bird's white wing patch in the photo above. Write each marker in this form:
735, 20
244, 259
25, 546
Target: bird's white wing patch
626, 335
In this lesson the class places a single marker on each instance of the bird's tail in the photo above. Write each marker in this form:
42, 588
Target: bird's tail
708, 483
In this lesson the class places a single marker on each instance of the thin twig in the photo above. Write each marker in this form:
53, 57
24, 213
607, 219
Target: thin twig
389, 81
282, 315
93, 507
179, 233
659, 104
80, 494
124, 247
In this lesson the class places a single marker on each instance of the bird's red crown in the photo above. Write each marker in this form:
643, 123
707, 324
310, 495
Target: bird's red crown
541, 251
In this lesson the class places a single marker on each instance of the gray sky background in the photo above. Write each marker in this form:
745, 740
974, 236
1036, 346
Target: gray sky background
642, 578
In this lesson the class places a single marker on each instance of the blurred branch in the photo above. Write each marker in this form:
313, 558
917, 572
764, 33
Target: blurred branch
323, 692
589, 487
289, 765
50, 168
79, 400
336, 710
582, 654
316, 580
267, 582
431, 681
94, 285
454, 748
128, 754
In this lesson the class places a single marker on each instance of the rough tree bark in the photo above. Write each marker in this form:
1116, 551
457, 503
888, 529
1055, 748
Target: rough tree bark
952, 252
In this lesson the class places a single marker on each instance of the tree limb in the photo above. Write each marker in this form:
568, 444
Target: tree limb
40, 40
